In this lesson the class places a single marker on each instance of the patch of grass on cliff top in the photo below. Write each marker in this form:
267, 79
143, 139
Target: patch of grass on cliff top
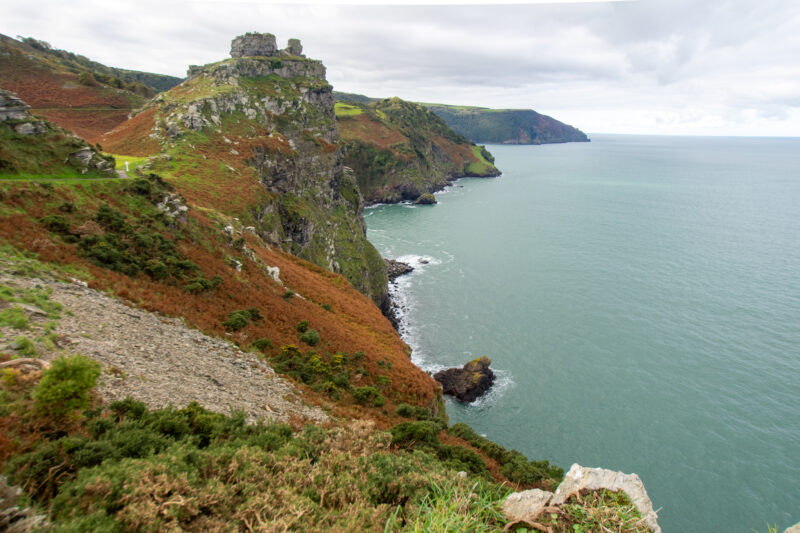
481, 166
346, 110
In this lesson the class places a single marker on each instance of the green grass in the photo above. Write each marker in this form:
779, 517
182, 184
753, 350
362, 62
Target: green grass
347, 110
133, 161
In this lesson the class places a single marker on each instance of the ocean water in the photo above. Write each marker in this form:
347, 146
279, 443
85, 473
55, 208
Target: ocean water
639, 297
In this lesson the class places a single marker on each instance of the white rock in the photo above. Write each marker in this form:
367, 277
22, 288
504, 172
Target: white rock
794, 529
579, 478
525, 505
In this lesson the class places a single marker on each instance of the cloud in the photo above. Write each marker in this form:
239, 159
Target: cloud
648, 65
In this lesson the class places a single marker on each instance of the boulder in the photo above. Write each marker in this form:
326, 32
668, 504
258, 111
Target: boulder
469, 382
525, 505
794, 529
425, 199
395, 268
254, 44
294, 47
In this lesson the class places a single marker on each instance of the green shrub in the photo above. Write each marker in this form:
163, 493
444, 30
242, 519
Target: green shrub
404, 410
241, 318
369, 396
288, 295
263, 344
413, 434
327, 307
310, 337
201, 284
65, 386
302, 326
55, 223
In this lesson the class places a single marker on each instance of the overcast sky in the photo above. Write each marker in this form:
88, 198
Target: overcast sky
718, 67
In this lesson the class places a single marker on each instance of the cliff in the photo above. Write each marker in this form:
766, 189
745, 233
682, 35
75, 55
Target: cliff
255, 137
399, 150
506, 126
71, 90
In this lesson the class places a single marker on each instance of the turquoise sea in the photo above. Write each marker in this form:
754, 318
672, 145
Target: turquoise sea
639, 297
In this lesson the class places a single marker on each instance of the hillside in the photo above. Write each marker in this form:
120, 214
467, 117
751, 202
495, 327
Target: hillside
399, 150
72, 91
506, 126
255, 137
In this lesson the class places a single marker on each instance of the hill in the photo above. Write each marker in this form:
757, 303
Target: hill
72, 91
506, 126
399, 150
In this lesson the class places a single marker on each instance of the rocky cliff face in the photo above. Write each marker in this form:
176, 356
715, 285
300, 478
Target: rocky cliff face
267, 114
400, 151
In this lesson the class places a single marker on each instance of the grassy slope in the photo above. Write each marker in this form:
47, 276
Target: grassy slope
49, 81
399, 150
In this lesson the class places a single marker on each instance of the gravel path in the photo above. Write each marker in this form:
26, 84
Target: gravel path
159, 360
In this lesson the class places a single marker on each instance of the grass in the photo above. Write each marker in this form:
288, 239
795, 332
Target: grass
133, 161
347, 110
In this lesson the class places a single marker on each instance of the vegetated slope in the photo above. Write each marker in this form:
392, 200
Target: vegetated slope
399, 150
506, 126
256, 138
32, 146
72, 91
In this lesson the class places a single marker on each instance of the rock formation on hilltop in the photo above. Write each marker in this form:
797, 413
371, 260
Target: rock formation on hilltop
266, 118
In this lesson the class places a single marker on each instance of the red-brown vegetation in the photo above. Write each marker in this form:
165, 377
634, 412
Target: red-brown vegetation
362, 127
132, 137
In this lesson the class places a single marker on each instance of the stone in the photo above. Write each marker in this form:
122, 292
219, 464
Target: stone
525, 505
425, 199
395, 268
579, 478
254, 44
794, 529
469, 382
294, 47
25, 129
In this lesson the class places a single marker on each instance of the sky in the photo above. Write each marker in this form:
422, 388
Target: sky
674, 67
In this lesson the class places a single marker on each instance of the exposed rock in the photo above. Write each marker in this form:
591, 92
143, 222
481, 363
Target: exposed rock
425, 199
580, 477
469, 382
253, 44
395, 268
294, 47
794, 529
11, 107
29, 128
525, 505
14, 519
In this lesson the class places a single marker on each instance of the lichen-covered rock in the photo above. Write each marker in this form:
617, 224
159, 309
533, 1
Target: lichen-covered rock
254, 44
396, 268
579, 478
469, 382
11, 107
525, 505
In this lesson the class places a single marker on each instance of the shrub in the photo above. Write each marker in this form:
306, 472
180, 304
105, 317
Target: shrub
65, 386
404, 410
310, 337
55, 223
241, 318
369, 395
263, 344
201, 284
288, 295
413, 434
302, 326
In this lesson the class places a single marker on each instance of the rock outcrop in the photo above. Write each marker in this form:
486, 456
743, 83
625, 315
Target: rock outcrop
528, 505
396, 268
263, 45
469, 382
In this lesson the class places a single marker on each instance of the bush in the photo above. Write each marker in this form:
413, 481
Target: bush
55, 223
201, 284
241, 318
404, 410
310, 337
369, 396
263, 344
302, 326
413, 434
65, 386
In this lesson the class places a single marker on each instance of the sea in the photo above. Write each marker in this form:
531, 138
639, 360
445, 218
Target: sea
639, 297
